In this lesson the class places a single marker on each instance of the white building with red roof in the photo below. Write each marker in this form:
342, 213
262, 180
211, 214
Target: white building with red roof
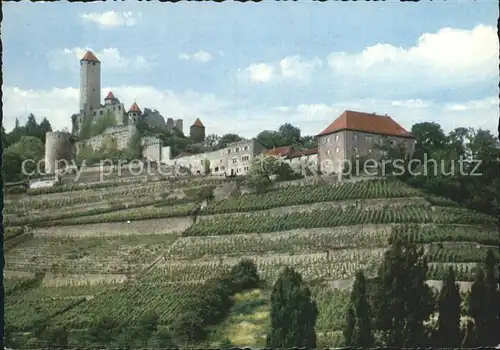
358, 134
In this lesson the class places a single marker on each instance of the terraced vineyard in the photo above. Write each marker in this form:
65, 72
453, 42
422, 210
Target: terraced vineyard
123, 250
130, 302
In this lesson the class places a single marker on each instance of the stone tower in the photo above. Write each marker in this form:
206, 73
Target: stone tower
134, 113
58, 149
197, 131
90, 84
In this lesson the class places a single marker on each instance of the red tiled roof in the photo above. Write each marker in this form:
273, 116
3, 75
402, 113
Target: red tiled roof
364, 122
135, 108
110, 96
279, 151
198, 123
89, 56
306, 152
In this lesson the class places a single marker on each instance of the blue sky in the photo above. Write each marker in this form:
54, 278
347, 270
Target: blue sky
243, 68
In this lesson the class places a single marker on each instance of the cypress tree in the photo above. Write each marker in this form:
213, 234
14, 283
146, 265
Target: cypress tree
360, 332
402, 300
477, 306
492, 321
484, 302
293, 313
349, 328
448, 332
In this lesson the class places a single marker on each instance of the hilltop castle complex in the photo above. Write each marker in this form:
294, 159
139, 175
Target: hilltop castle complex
351, 134
123, 122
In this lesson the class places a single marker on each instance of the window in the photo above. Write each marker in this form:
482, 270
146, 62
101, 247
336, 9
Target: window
222, 168
246, 169
237, 149
238, 170
336, 137
324, 140
355, 137
221, 161
95, 113
337, 150
368, 139
369, 151
101, 112
245, 158
235, 160
228, 150
328, 152
245, 148
93, 63
356, 150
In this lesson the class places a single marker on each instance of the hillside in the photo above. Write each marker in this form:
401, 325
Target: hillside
123, 251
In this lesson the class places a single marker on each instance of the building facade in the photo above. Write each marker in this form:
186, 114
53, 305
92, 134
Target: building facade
234, 160
355, 134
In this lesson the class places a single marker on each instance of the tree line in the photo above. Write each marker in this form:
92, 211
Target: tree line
23, 142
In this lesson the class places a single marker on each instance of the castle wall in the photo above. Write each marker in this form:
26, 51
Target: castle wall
152, 149
116, 110
57, 147
179, 125
120, 133
90, 86
153, 118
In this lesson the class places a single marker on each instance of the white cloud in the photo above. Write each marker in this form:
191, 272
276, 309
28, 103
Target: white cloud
291, 67
411, 103
111, 58
200, 56
448, 57
483, 104
222, 116
260, 72
110, 19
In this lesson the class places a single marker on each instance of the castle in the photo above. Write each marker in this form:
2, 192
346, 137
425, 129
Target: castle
352, 134
123, 123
